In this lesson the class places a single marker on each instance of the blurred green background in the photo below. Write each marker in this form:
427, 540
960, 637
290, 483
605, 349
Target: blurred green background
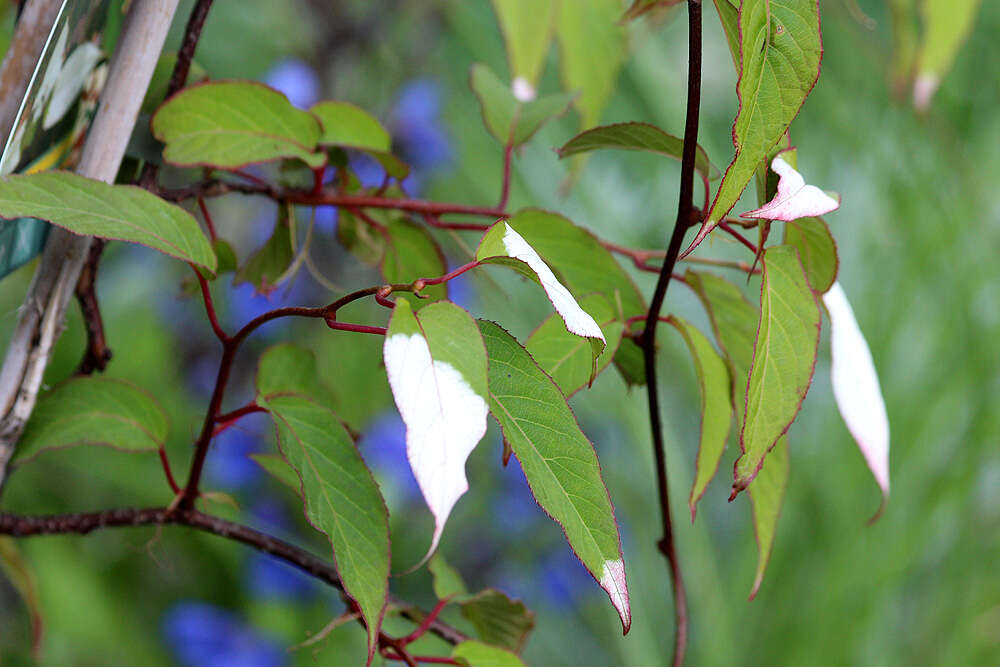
918, 235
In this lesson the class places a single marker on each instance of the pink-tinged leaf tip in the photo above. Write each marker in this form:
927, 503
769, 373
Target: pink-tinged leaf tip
613, 582
706, 227
794, 198
856, 387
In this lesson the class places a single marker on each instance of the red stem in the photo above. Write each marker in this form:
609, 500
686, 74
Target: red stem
724, 226
208, 219
446, 277
210, 307
428, 620
167, 471
357, 328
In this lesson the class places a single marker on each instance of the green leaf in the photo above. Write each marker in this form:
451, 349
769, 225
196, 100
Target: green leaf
567, 358
781, 49
766, 495
478, 654
558, 460
783, 361
341, 499
18, 571
498, 620
947, 24
501, 244
225, 256
527, 27
447, 580
592, 52
635, 137
231, 124
119, 212
360, 239
157, 90
413, 253
640, 7
94, 411
286, 368
348, 126
734, 321
436, 365
266, 267
715, 388
729, 16
278, 468
903, 17
507, 118
817, 250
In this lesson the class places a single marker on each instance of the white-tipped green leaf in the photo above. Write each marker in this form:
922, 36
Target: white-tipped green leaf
783, 360
341, 499
794, 199
568, 358
766, 495
947, 24
856, 386
508, 118
558, 461
94, 411
527, 27
780, 51
503, 245
715, 389
119, 212
436, 365
231, 124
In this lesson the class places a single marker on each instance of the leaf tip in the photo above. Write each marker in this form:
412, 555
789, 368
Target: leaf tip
613, 582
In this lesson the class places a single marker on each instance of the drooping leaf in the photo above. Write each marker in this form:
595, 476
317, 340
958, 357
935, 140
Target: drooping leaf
286, 368
509, 119
780, 54
817, 250
472, 653
635, 137
231, 124
715, 388
265, 268
341, 498
591, 53
783, 361
447, 581
94, 411
558, 460
436, 365
413, 253
498, 620
501, 244
19, 573
348, 126
794, 199
947, 24
119, 212
278, 468
856, 386
527, 27
766, 494
567, 358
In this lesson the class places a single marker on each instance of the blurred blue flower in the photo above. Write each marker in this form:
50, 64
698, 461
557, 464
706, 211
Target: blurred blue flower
270, 578
269, 516
326, 220
420, 137
515, 509
201, 635
229, 465
296, 80
563, 578
462, 291
383, 445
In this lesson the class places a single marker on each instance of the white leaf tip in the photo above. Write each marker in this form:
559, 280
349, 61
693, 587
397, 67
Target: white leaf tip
522, 89
794, 199
613, 581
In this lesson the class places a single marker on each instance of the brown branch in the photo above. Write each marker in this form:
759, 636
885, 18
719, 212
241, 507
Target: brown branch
683, 222
29, 526
97, 354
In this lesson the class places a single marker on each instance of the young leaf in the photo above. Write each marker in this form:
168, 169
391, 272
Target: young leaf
119, 212
348, 126
780, 54
341, 499
946, 23
509, 119
783, 360
715, 388
527, 27
413, 253
499, 621
448, 582
94, 411
567, 358
265, 268
794, 198
766, 494
856, 386
477, 654
502, 245
436, 365
231, 124
591, 53
817, 250
558, 460
635, 137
